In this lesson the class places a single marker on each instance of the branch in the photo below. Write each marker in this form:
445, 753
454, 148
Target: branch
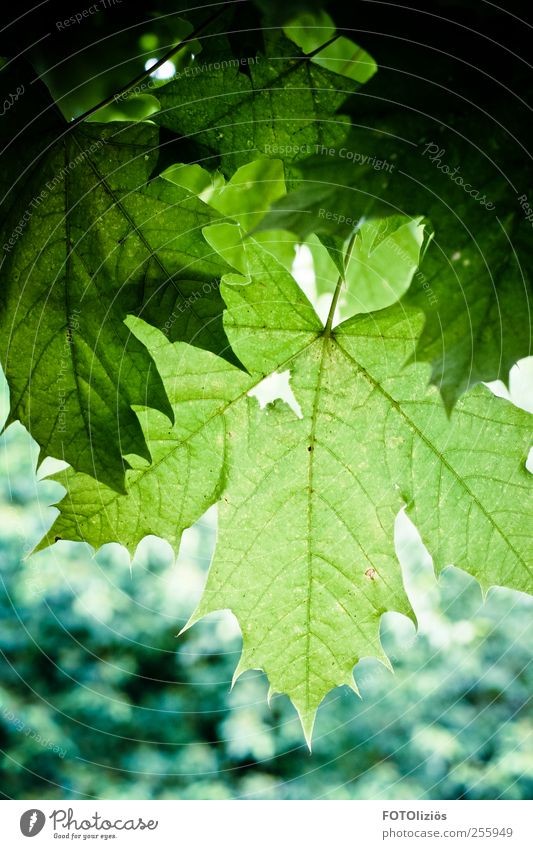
338, 287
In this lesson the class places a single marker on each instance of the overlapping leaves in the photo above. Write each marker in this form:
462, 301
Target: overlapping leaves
157, 414
305, 555
470, 181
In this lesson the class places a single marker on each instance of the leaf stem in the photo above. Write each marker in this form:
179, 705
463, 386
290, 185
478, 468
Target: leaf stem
146, 73
338, 287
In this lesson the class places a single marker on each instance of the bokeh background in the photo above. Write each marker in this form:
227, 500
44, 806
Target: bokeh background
99, 698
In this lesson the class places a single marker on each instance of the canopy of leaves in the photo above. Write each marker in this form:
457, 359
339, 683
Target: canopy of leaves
157, 413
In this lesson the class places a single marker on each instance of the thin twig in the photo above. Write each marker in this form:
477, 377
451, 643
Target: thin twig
338, 287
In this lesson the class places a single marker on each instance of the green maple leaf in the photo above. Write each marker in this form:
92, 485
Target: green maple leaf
305, 556
196, 382
186, 472
281, 103
88, 237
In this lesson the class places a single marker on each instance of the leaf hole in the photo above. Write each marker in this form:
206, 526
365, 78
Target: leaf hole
276, 387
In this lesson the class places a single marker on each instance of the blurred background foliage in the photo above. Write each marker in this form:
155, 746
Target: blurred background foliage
100, 698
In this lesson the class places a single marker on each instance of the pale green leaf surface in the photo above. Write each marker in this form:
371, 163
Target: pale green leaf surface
346, 58
310, 29
383, 259
243, 200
